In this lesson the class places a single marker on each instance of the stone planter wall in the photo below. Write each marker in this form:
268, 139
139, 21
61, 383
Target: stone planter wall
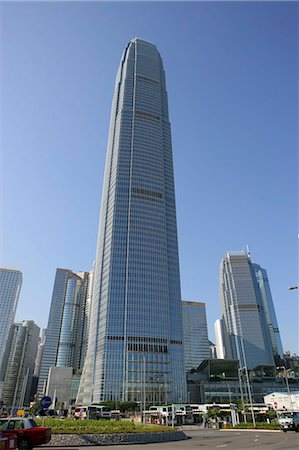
71, 440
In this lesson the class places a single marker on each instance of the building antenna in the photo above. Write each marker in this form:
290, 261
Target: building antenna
248, 251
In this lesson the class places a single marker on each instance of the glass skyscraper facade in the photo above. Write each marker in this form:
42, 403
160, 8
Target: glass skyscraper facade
265, 292
245, 328
20, 366
66, 335
10, 286
196, 341
136, 338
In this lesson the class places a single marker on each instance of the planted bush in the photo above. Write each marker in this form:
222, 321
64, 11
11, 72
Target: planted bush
72, 426
259, 425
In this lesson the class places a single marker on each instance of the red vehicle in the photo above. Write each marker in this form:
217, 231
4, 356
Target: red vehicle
8, 441
28, 433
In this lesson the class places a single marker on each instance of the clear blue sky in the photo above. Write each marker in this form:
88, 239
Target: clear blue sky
231, 71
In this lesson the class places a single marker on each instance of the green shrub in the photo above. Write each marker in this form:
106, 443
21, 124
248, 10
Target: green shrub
72, 426
259, 425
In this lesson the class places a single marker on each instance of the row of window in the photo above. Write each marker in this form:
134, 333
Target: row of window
139, 339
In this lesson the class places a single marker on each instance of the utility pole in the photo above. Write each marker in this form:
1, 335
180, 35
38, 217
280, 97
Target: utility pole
285, 375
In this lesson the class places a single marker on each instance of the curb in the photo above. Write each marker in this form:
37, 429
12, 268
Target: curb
255, 430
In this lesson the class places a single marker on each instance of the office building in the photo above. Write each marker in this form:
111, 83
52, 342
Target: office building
37, 364
267, 302
196, 341
66, 335
136, 336
39, 354
20, 366
213, 350
220, 336
10, 286
245, 327
217, 381
62, 387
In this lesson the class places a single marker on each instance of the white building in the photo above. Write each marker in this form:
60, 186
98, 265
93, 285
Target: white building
219, 336
283, 400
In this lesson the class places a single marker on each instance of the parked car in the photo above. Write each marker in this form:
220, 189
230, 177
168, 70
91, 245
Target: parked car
289, 420
28, 433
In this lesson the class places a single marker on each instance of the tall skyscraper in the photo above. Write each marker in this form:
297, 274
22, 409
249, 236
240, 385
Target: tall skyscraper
136, 336
10, 286
247, 336
20, 366
267, 302
196, 341
65, 341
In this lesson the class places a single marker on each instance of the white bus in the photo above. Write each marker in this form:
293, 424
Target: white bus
93, 412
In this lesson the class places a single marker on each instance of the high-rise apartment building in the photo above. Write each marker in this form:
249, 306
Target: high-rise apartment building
245, 328
66, 335
136, 336
196, 341
20, 366
10, 286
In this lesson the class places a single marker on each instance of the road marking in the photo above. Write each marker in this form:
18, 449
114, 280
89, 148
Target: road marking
223, 445
255, 440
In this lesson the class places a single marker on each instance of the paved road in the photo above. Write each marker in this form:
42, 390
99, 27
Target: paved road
222, 439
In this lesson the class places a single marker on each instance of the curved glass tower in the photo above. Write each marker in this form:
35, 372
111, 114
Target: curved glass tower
135, 350
267, 302
246, 332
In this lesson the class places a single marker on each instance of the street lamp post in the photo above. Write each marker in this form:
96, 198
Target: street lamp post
241, 392
285, 375
143, 388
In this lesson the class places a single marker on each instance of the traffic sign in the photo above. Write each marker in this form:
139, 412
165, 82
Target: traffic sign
46, 402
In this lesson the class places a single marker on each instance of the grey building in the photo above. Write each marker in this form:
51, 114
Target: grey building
20, 367
245, 327
196, 341
62, 387
66, 335
136, 336
10, 286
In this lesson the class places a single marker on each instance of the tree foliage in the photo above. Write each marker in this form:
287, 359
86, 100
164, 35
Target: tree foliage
213, 413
